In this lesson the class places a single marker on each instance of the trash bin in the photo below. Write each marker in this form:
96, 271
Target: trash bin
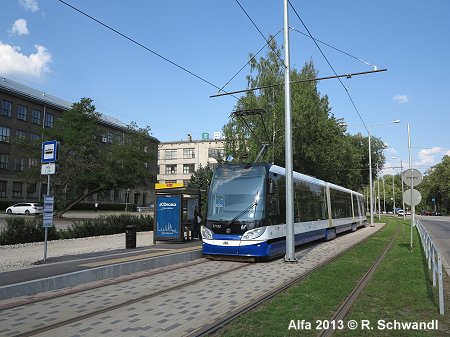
130, 236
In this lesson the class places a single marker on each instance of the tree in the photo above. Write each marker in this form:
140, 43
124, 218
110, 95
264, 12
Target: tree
85, 164
435, 186
201, 180
321, 147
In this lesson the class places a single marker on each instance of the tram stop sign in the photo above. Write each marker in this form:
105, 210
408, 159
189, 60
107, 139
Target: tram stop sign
412, 176
416, 197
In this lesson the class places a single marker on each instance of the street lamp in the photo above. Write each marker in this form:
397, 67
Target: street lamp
370, 168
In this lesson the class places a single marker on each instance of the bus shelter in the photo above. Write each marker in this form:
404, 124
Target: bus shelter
174, 212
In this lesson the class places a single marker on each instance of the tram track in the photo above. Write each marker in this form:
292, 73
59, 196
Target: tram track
345, 307
128, 302
226, 319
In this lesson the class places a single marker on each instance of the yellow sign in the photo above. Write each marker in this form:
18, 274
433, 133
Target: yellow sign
168, 185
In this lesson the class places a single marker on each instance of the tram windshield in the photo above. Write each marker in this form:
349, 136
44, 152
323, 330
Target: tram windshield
237, 193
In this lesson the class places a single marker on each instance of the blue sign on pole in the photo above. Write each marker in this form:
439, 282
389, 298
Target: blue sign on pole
168, 217
49, 151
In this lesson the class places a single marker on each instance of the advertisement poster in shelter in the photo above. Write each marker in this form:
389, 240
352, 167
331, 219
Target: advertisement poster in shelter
168, 214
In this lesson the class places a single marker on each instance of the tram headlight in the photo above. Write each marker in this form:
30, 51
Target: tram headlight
254, 233
207, 233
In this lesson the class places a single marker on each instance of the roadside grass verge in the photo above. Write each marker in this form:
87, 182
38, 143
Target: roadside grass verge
316, 297
402, 290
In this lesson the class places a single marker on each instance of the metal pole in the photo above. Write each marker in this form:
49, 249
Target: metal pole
413, 208
370, 182
290, 242
46, 229
384, 197
441, 286
378, 185
393, 192
403, 199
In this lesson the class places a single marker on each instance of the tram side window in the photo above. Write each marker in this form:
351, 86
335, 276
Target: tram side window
310, 202
341, 204
281, 188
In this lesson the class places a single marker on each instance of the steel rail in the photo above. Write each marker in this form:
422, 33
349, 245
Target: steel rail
124, 304
343, 310
217, 324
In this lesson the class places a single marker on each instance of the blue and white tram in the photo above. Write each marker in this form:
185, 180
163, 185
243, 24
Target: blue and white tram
246, 211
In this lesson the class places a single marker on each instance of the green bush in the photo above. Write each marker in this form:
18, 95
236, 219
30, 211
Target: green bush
107, 225
21, 230
90, 206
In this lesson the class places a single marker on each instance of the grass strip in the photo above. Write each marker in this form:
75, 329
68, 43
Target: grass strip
315, 298
400, 290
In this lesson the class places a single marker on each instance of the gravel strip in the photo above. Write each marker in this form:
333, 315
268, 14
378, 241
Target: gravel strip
20, 256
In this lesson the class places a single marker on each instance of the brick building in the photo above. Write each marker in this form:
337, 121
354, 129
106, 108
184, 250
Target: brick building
23, 110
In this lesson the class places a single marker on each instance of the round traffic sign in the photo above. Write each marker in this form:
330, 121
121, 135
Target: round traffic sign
416, 197
412, 176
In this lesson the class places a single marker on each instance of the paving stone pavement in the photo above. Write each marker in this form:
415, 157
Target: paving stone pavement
181, 311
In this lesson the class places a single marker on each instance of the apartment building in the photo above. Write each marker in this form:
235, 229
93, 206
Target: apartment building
177, 161
23, 110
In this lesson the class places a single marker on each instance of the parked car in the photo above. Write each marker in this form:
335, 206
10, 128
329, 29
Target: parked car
425, 212
400, 212
26, 208
437, 213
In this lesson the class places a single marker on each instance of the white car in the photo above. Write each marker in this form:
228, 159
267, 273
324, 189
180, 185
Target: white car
26, 208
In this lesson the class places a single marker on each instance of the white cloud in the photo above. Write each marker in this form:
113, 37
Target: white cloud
20, 27
16, 64
430, 157
30, 5
401, 98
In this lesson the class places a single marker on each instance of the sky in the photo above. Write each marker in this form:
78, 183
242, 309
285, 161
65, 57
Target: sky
51, 47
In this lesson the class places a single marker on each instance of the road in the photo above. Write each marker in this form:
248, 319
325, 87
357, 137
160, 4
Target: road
439, 229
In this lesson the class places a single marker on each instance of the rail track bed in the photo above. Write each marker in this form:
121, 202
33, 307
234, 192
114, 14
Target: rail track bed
189, 299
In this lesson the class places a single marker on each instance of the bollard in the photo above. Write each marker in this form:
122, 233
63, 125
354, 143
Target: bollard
130, 236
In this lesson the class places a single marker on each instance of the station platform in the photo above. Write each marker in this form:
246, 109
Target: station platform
69, 271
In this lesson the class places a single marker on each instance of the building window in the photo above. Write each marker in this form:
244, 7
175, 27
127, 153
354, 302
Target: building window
20, 134
32, 162
48, 120
188, 153
19, 164
109, 137
6, 108
4, 161
3, 185
171, 154
216, 153
188, 168
171, 169
17, 189
158, 169
4, 134
31, 190
36, 116
35, 137
22, 112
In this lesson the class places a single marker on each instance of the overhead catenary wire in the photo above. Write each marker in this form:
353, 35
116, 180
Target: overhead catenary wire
299, 81
332, 68
248, 62
259, 30
335, 48
142, 46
